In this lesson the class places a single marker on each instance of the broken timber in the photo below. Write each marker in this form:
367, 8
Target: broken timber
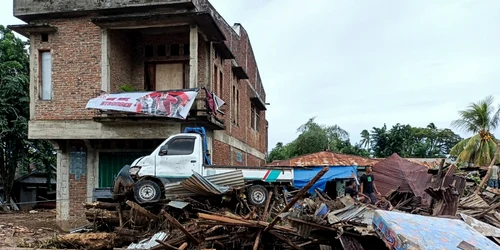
298, 196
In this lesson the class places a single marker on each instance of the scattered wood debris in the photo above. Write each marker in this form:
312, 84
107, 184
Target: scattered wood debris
288, 220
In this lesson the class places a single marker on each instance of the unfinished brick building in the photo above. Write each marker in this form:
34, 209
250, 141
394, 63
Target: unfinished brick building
80, 48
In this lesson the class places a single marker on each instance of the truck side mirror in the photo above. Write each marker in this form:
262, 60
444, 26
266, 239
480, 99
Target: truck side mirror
163, 150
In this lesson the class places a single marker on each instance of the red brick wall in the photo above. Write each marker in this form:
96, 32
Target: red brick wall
224, 154
77, 195
120, 59
221, 153
242, 49
76, 69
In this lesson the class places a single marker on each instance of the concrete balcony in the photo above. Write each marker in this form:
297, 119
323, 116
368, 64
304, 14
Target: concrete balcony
30, 9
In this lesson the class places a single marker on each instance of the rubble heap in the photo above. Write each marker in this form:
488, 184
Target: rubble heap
287, 221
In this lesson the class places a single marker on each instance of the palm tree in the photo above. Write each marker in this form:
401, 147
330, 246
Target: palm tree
365, 139
479, 118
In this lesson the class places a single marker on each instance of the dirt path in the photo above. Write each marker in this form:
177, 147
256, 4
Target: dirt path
23, 229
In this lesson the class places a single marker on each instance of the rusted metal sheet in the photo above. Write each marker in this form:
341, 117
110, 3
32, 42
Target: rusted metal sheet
396, 173
326, 159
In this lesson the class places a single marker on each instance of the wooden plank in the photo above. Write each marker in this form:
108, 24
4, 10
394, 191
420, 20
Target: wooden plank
183, 246
99, 204
298, 196
285, 240
142, 210
166, 245
169, 76
179, 226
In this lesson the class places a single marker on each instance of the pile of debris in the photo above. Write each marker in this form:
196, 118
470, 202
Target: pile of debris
208, 213
289, 220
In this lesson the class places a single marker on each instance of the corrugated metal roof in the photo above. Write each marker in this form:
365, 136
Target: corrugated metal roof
199, 185
326, 158
149, 243
36, 180
191, 186
395, 173
357, 212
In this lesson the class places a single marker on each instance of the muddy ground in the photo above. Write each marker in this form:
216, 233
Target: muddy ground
25, 229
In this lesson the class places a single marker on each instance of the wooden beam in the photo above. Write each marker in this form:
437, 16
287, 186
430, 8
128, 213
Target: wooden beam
298, 196
179, 226
141, 210
285, 240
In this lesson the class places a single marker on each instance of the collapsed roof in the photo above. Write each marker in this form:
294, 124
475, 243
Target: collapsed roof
396, 173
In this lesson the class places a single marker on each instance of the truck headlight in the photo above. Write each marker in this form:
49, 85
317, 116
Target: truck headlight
134, 170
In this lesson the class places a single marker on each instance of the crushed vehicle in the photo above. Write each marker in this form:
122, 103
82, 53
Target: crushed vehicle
181, 155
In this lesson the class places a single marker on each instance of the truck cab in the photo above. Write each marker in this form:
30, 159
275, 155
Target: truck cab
175, 159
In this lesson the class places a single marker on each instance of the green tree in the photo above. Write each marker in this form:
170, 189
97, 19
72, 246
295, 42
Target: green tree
480, 119
408, 141
314, 138
365, 139
15, 147
279, 152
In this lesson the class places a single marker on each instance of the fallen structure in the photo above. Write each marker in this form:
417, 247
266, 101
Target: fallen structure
205, 215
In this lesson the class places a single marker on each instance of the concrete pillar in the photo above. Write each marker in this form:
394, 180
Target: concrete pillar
33, 78
193, 57
105, 74
62, 193
91, 170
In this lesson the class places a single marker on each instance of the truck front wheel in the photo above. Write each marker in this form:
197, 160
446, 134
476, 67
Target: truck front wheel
147, 191
257, 195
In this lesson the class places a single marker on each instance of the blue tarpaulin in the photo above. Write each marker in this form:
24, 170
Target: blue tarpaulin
302, 176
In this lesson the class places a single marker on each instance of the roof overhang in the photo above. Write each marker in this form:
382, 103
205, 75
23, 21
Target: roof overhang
224, 51
203, 20
257, 101
28, 29
240, 72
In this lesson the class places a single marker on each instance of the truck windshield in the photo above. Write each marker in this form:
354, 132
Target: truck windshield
181, 146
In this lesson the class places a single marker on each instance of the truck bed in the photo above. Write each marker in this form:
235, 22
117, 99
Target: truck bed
262, 173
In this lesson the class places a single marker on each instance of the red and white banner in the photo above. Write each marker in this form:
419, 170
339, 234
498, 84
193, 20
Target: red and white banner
174, 104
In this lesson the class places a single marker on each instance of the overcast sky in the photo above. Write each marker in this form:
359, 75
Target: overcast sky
360, 64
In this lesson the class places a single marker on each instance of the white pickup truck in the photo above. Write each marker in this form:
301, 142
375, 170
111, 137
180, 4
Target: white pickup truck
176, 159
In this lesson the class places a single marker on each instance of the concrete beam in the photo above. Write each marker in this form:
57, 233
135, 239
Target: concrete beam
88, 129
193, 57
233, 142
24, 9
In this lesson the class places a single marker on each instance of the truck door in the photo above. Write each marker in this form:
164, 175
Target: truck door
180, 160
